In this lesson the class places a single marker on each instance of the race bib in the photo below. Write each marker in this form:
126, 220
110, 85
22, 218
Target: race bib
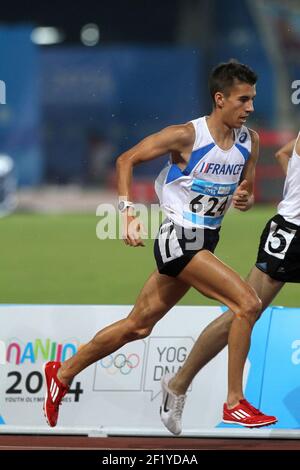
209, 202
279, 240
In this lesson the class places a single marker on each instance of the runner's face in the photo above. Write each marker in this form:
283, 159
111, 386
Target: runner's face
238, 105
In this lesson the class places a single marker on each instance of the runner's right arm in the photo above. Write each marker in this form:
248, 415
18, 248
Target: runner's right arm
173, 138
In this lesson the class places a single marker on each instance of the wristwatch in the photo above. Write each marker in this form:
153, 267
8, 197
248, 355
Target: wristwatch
123, 205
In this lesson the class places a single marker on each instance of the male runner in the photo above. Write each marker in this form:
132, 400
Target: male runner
212, 160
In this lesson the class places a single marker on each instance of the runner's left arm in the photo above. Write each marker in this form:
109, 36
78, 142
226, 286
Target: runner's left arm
243, 198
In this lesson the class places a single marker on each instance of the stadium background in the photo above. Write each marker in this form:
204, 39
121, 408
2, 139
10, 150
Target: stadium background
72, 108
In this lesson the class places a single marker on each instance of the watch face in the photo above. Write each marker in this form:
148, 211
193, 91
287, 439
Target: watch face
122, 206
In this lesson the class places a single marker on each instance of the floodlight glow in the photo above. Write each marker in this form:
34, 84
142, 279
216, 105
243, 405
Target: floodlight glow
46, 35
90, 34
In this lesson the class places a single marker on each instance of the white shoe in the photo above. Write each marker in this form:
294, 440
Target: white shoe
172, 407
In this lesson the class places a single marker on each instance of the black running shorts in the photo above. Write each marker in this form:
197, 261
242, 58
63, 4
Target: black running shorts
175, 246
279, 250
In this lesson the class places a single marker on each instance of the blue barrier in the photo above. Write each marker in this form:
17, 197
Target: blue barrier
273, 382
281, 379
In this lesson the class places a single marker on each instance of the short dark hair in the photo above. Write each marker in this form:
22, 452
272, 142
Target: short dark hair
224, 76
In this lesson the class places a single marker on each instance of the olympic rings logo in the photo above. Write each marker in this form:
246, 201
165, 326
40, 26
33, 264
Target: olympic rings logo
120, 363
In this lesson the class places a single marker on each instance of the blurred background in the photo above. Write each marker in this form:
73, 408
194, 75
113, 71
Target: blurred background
85, 81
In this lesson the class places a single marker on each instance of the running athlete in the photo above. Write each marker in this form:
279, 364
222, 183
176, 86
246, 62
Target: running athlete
278, 261
212, 162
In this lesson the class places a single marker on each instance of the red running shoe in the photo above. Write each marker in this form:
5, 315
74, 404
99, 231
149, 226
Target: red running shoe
54, 394
246, 415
